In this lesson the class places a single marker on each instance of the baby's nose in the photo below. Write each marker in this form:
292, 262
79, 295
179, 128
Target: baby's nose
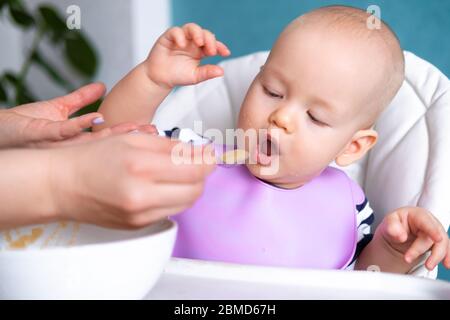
282, 120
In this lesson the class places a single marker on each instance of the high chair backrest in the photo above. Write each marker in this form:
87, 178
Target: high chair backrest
409, 165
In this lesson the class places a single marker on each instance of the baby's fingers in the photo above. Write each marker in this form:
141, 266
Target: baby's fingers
394, 230
210, 43
438, 253
421, 245
194, 32
425, 223
222, 49
447, 257
176, 35
206, 39
207, 72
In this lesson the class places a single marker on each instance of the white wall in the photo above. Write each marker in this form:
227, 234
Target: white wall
10, 48
123, 32
150, 19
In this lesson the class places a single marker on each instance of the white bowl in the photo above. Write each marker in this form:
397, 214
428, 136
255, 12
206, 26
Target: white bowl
104, 264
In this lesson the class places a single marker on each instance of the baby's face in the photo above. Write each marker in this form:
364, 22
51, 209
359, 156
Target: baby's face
309, 96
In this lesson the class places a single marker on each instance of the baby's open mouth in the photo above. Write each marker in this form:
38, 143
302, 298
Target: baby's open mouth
267, 148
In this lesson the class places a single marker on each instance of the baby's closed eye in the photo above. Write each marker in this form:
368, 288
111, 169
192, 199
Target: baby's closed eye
314, 119
271, 93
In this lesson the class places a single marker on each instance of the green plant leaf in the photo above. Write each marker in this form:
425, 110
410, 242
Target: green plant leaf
93, 107
3, 94
51, 71
22, 92
11, 78
80, 53
53, 22
2, 5
20, 15
24, 96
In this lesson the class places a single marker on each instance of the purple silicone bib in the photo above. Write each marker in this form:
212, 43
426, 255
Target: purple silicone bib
241, 219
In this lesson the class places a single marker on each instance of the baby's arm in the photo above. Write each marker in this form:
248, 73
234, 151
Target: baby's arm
174, 60
401, 240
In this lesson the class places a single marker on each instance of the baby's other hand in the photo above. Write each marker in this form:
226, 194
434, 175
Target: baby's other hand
412, 231
175, 57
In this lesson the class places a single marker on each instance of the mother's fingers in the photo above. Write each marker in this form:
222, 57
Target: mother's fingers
45, 130
59, 130
147, 128
82, 122
83, 137
169, 167
145, 218
152, 142
141, 195
122, 127
80, 98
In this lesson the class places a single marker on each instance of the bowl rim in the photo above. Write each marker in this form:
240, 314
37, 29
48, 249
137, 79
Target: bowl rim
169, 226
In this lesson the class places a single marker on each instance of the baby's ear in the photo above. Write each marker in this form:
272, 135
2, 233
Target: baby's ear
361, 142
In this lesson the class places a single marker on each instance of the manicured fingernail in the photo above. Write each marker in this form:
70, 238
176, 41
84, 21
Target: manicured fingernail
98, 120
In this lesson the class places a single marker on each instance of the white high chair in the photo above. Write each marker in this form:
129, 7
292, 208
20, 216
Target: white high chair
410, 164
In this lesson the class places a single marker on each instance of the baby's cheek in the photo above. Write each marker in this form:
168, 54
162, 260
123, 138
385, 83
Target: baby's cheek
254, 112
305, 155
250, 120
243, 121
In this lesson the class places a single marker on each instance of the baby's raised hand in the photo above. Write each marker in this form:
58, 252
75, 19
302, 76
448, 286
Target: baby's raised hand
413, 231
175, 57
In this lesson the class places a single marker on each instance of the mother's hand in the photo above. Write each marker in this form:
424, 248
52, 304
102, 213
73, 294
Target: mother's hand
127, 181
47, 123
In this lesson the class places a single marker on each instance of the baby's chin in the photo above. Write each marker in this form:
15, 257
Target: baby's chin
275, 177
265, 173
255, 169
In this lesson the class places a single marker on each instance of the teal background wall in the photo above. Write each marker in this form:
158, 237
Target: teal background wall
247, 26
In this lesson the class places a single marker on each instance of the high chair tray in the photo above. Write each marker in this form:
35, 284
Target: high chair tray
194, 279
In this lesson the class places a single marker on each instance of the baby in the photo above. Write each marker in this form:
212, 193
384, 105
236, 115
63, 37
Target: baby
326, 80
